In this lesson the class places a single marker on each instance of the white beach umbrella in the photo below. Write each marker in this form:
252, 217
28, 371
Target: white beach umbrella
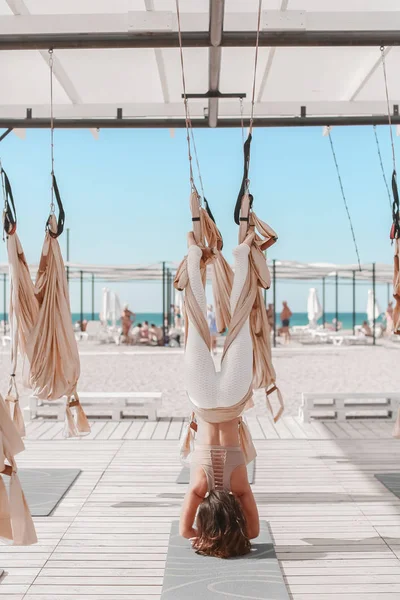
114, 311
314, 309
105, 301
370, 308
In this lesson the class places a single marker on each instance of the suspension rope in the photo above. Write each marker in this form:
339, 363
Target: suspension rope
188, 122
395, 231
241, 118
388, 105
253, 96
382, 167
344, 199
52, 206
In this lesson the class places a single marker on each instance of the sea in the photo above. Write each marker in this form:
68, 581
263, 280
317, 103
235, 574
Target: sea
297, 318
300, 318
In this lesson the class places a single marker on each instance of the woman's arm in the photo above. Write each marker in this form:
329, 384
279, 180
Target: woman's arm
242, 490
193, 498
251, 513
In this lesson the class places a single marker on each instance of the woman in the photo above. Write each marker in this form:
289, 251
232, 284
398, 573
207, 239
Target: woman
227, 517
126, 323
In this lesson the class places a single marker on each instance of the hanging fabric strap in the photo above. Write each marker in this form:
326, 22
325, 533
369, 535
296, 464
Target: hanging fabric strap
395, 231
9, 214
244, 188
54, 187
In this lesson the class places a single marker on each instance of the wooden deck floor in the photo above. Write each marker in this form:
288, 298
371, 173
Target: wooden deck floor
262, 428
336, 528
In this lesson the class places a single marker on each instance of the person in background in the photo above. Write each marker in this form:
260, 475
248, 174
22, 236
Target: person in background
156, 335
177, 317
270, 316
134, 334
212, 325
389, 319
144, 333
366, 329
126, 323
84, 325
286, 315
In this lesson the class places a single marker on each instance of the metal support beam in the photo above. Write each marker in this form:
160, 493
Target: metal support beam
163, 301
92, 296
336, 301
374, 300
201, 39
81, 279
217, 9
323, 303
176, 123
354, 302
274, 297
5, 134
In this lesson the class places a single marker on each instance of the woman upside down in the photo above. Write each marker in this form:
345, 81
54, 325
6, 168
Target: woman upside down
219, 492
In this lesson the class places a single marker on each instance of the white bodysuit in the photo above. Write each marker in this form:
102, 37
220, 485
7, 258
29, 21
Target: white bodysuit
206, 387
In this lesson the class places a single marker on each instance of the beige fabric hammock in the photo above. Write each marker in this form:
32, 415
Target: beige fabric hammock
15, 519
250, 304
51, 348
396, 287
23, 314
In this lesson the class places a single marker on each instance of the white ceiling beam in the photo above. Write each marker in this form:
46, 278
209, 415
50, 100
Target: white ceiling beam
270, 60
216, 28
175, 109
19, 8
137, 22
364, 74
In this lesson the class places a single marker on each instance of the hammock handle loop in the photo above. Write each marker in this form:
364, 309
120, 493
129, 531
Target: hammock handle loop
9, 214
395, 231
61, 216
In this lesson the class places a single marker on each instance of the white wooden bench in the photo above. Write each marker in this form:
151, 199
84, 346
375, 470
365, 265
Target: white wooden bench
115, 405
342, 406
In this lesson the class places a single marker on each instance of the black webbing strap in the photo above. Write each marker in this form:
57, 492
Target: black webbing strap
208, 209
61, 216
395, 233
246, 155
10, 215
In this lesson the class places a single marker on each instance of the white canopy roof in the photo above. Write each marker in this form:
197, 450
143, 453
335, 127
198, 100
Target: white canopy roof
284, 270
123, 54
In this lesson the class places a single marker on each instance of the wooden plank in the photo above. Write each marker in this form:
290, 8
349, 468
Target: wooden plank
147, 430
107, 430
175, 428
120, 430
255, 428
268, 428
134, 430
161, 430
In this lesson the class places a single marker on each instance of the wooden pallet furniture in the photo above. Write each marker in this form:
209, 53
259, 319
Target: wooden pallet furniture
344, 406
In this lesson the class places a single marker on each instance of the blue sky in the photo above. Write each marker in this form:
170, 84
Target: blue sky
126, 198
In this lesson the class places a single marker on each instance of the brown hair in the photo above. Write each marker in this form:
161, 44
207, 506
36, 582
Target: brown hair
221, 526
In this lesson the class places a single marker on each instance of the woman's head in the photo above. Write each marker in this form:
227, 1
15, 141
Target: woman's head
221, 527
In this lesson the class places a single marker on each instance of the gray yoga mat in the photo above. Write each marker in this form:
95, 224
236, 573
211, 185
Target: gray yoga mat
253, 577
391, 481
45, 488
184, 475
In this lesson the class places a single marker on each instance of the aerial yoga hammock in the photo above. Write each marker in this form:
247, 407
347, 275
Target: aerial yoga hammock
219, 397
40, 316
15, 519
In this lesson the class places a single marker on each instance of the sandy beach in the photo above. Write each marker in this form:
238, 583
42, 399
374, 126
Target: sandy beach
317, 368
